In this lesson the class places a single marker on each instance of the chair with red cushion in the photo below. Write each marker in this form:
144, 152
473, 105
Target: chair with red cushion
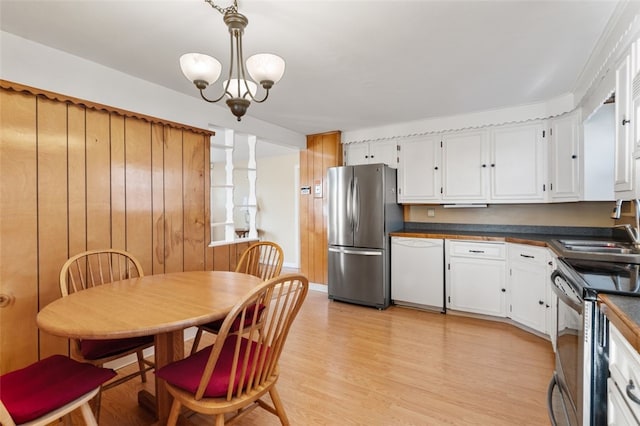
264, 260
50, 389
93, 268
233, 374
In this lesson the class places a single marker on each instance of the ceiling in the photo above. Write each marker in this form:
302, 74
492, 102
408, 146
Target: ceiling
350, 64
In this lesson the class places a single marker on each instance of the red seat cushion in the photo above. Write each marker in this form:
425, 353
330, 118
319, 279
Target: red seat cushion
186, 373
48, 384
216, 325
94, 349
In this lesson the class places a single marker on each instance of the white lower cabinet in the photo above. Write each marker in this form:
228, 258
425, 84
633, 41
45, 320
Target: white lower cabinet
529, 272
623, 405
476, 277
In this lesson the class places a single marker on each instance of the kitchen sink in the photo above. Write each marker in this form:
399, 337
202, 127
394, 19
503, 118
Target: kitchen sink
612, 251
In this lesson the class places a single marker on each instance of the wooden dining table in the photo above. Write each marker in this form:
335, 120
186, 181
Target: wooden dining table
162, 305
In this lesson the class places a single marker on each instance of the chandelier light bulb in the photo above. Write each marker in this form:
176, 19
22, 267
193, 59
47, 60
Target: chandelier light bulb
198, 67
233, 88
265, 67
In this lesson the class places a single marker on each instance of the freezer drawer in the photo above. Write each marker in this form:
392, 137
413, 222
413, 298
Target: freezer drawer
359, 276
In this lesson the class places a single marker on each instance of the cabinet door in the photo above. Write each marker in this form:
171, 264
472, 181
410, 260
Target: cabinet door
384, 152
476, 285
465, 166
517, 163
528, 281
564, 136
623, 156
357, 153
419, 170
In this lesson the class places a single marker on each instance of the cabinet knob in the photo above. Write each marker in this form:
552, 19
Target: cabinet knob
503, 290
435, 168
493, 165
574, 156
540, 302
484, 165
624, 121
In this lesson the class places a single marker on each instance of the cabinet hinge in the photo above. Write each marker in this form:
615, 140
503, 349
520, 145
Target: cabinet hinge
544, 135
510, 308
440, 144
510, 272
449, 299
544, 187
551, 186
441, 190
448, 266
550, 132
397, 147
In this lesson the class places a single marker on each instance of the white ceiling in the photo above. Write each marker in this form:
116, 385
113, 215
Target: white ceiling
350, 64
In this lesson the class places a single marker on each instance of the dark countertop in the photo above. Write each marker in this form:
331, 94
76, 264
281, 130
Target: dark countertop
622, 311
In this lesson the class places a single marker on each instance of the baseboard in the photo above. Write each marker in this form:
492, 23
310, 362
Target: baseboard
318, 287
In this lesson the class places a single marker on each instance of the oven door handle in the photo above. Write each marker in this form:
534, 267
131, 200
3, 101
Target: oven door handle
561, 294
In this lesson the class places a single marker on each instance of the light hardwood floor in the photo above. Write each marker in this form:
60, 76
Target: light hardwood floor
350, 365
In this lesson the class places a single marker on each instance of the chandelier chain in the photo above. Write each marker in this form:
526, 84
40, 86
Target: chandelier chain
231, 9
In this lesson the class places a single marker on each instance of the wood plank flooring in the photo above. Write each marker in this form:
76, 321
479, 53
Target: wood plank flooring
350, 365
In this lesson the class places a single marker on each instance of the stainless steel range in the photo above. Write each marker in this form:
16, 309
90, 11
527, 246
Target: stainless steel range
580, 377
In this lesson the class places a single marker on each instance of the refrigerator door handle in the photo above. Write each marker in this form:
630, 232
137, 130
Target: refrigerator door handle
356, 205
349, 203
359, 252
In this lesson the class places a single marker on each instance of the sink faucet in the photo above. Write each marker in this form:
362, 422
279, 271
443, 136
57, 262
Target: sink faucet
633, 232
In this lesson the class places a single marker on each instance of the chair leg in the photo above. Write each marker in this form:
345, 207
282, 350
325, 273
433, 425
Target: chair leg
196, 341
141, 366
174, 413
97, 402
277, 404
220, 420
87, 414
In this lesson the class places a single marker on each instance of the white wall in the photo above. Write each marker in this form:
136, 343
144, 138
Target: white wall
33, 64
277, 213
599, 147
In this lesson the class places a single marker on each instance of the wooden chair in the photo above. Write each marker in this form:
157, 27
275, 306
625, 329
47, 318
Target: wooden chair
49, 390
262, 259
93, 268
233, 374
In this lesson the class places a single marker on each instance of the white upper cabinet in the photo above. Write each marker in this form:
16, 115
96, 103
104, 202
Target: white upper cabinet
465, 158
372, 153
498, 165
565, 157
623, 158
419, 170
517, 163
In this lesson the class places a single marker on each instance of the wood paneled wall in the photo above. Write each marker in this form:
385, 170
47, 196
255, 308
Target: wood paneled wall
323, 151
76, 177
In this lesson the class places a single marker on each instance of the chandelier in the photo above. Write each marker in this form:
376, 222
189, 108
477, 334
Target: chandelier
204, 70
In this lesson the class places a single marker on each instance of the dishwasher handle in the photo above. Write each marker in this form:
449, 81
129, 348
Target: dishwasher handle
416, 242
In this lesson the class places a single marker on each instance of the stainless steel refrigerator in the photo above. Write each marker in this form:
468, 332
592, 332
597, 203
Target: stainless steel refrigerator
363, 210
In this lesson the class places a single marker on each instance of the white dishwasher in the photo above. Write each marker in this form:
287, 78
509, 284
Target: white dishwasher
417, 272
